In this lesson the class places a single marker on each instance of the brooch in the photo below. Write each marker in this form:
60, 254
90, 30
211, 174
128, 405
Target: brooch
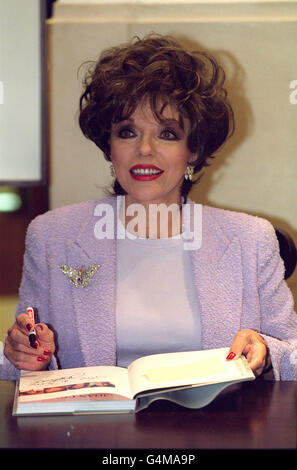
80, 276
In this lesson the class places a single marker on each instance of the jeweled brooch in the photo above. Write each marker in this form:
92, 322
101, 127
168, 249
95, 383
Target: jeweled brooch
80, 277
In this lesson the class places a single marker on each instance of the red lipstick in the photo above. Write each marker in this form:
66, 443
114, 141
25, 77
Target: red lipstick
143, 172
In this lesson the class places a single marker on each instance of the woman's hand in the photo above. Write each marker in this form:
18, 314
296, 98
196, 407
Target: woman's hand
254, 347
17, 347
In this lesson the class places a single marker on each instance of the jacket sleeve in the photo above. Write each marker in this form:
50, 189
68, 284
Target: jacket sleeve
278, 318
34, 289
34, 285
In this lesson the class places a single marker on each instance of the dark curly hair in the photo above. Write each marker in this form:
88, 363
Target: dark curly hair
157, 67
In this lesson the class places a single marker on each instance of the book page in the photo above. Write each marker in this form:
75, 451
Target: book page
186, 368
191, 371
58, 384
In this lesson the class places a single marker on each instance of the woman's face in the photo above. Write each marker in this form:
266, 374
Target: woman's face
150, 157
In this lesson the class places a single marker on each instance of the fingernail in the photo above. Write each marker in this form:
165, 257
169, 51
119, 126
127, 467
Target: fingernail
230, 356
29, 326
41, 359
40, 327
46, 352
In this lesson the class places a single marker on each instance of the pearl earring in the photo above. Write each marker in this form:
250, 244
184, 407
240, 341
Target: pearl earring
189, 172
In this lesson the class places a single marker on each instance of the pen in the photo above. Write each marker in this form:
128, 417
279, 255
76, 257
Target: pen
32, 332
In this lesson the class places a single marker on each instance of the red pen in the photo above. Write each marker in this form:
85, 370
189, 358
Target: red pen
32, 332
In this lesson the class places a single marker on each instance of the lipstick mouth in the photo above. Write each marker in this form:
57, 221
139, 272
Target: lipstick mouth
145, 170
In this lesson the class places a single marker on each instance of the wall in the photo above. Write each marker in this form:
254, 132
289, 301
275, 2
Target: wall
256, 171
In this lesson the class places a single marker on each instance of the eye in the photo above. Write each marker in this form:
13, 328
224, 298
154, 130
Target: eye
169, 134
126, 132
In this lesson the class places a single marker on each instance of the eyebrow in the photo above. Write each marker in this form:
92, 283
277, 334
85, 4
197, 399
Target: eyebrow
165, 122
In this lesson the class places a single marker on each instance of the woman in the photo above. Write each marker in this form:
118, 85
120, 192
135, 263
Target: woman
112, 280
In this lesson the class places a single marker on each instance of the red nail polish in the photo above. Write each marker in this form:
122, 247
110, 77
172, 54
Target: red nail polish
46, 352
230, 356
29, 326
41, 359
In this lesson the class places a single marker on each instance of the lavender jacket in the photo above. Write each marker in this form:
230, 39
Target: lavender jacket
237, 271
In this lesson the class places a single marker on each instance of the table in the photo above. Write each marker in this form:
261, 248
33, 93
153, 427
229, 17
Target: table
261, 414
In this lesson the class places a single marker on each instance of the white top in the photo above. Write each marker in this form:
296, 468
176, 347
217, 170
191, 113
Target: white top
157, 308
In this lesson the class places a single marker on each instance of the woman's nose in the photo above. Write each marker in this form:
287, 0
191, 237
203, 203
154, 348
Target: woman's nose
145, 146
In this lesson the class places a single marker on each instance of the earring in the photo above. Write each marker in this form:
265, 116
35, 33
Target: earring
189, 172
112, 171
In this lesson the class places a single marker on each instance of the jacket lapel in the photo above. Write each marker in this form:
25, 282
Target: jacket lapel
217, 272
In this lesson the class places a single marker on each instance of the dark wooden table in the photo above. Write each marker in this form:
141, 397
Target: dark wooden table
251, 415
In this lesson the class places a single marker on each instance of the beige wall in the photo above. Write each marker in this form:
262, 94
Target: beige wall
256, 42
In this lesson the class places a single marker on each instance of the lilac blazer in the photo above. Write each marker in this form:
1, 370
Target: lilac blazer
237, 271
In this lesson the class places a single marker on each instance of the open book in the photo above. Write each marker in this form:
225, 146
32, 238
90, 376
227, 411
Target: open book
191, 379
